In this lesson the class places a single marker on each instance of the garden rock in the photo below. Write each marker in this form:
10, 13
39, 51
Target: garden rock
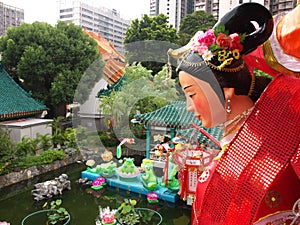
51, 188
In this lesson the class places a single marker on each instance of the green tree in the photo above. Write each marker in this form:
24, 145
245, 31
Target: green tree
190, 24
140, 92
49, 61
148, 40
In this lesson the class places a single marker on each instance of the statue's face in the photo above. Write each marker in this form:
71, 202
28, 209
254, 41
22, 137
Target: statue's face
195, 98
202, 100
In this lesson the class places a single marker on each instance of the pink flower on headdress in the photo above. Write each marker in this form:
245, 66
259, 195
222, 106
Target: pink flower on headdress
200, 49
223, 41
217, 43
196, 36
208, 38
236, 42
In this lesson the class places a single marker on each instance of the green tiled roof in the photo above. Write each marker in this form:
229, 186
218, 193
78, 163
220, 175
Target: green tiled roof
14, 101
113, 87
176, 116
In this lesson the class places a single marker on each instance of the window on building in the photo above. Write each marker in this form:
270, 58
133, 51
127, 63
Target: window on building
66, 16
66, 10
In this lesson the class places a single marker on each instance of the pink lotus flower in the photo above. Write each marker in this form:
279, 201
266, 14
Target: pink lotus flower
4, 223
99, 181
152, 197
108, 216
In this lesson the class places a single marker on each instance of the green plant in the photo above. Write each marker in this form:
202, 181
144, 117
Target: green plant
108, 139
57, 132
57, 213
51, 155
6, 147
70, 138
81, 133
27, 146
44, 141
93, 142
127, 214
44, 158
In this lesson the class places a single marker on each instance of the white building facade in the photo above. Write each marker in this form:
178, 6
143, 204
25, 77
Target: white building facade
175, 10
10, 16
218, 8
107, 22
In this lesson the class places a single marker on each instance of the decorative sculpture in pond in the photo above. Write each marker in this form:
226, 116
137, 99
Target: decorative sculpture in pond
169, 179
128, 169
148, 177
50, 188
104, 169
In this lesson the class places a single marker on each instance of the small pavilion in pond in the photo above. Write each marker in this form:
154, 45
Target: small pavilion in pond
175, 119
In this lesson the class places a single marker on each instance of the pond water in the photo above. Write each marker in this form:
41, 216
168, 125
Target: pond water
16, 202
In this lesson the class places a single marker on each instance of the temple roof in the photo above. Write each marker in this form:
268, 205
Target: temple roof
114, 61
15, 102
114, 87
176, 116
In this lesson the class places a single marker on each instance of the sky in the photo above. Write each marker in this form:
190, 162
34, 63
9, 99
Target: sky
46, 11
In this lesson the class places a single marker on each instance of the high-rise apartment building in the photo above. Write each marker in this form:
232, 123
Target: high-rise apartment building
10, 16
107, 22
209, 6
174, 9
278, 6
154, 7
275, 6
219, 8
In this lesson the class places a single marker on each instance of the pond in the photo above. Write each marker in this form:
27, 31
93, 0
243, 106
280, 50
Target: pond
16, 202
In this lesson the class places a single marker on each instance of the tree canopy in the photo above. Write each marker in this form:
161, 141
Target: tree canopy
140, 92
148, 40
49, 61
190, 24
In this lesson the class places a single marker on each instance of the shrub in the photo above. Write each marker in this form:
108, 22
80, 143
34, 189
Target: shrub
41, 159
52, 155
70, 138
45, 142
27, 146
81, 133
6, 147
57, 132
108, 139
